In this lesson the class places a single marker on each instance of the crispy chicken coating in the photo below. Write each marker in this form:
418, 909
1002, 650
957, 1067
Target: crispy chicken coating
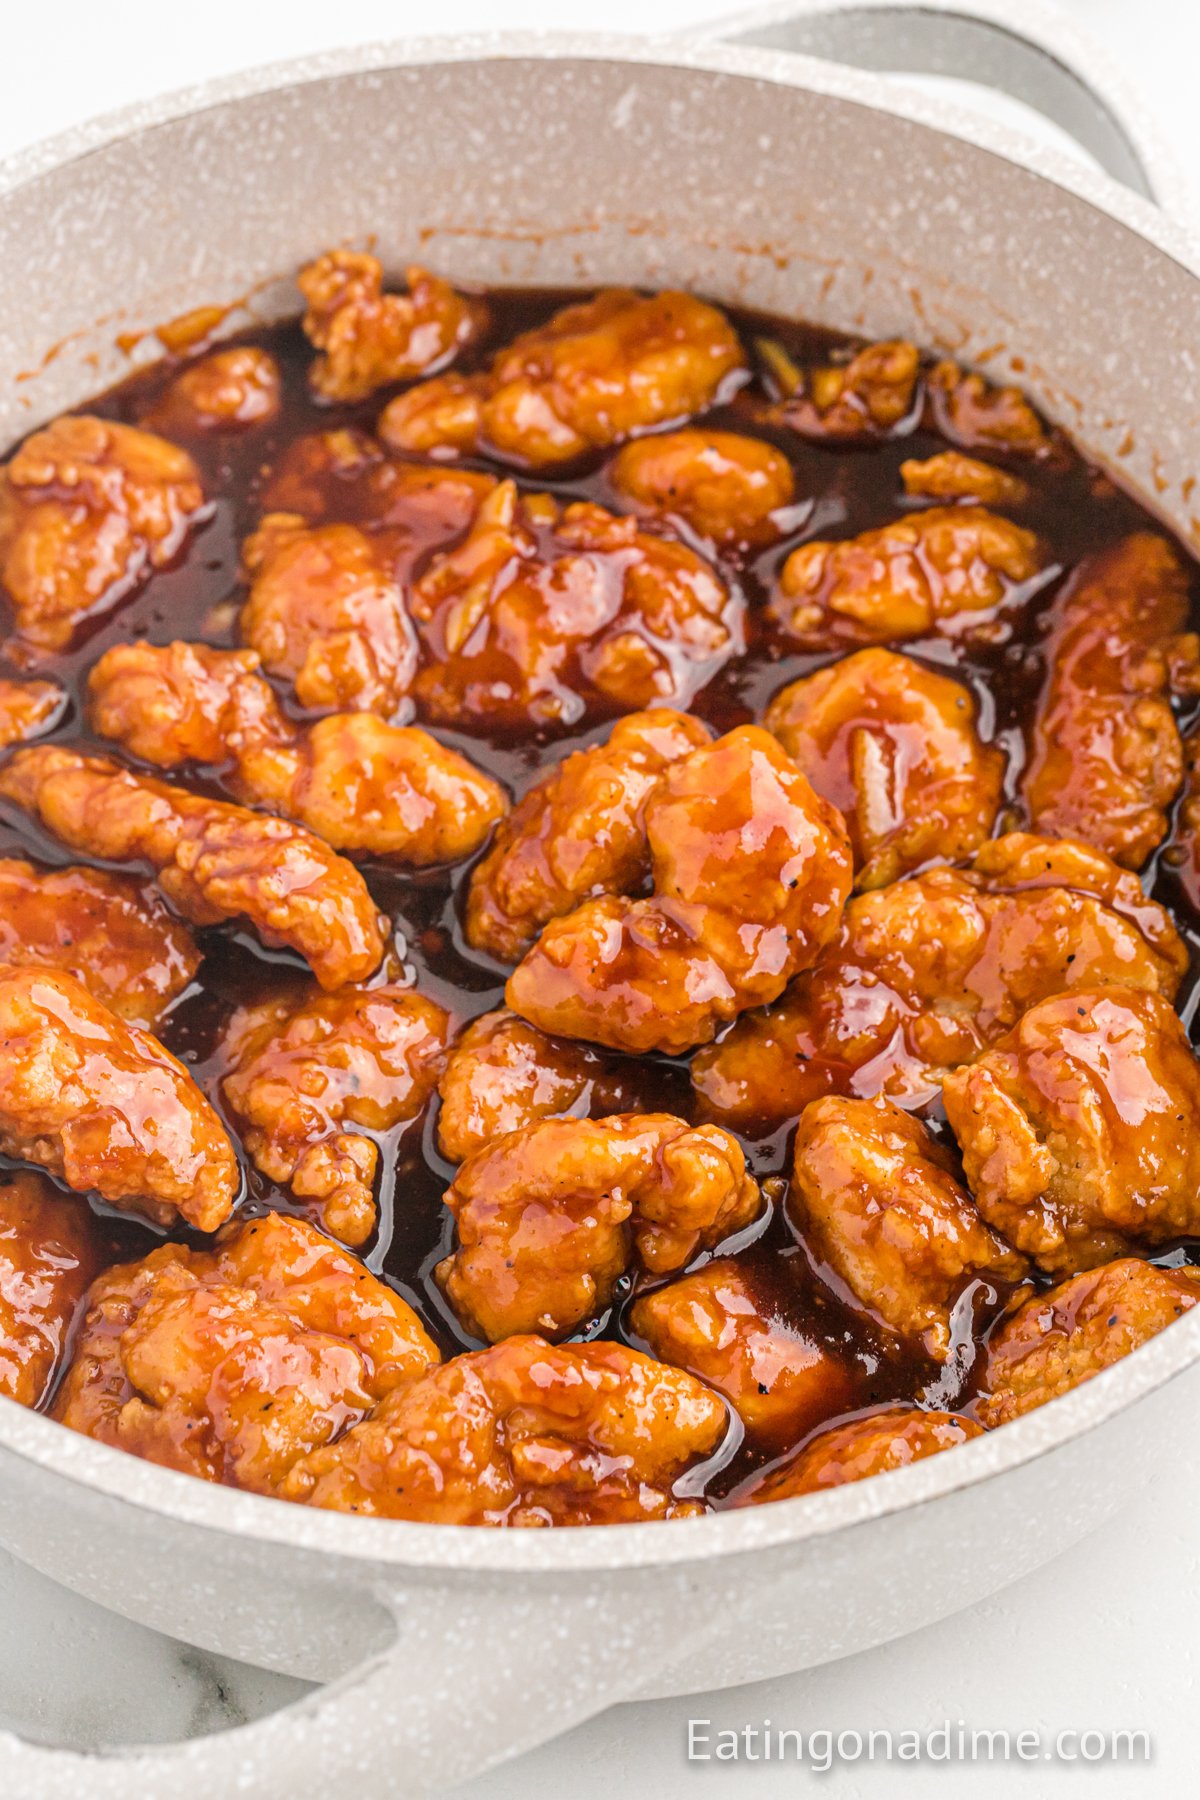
1105, 759
544, 610
896, 748
890, 1439
523, 1434
1056, 1340
369, 338
595, 374
751, 872
308, 1067
227, 390
212, 861
925, 974
326, 612
28, 708
102, 1104
578, 833
406, 508
1184, 852
874, 1195
88, 508
941, 572
112, 932
234, 1362
976, 414
361, 784
950, 475
48, 1255
716, 1324
866, 397
724, 485
549, 1217
1080, 1129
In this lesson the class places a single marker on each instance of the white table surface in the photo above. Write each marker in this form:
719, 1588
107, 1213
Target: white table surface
1107, 1636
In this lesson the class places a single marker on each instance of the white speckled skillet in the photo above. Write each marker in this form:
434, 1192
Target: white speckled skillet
754, 174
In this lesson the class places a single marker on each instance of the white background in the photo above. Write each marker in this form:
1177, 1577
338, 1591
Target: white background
1107, 1636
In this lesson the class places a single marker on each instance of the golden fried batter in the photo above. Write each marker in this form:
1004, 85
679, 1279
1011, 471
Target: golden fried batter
896, 749
406, 508
28, 708
751, 872
232, 1363
716, 1325
726, 486
102, 1104
1080, 1129
227, 390
952, 476
977, 415
874, 1195
308, 1066
545, 609
1056, 1340
359, 783
1104, 759
863, 398
87, 508
597, 373
112, 932
526, 1433
925, 974
48, 1255
890, 1439
578, 833
212, 861
549, 1216
369, 338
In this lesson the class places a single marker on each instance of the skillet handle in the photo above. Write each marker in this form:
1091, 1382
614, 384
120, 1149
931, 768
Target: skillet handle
1022, 48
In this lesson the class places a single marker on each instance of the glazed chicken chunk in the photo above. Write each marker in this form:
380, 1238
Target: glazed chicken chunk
866, 396
951, 475
549, 1217
896, 749
727, 487
48, 1255
750, 871
595, 374
308, 1068
1058, 1339
889, 1439
874, 1196
1080, 1129
112, 932
406, 508
103, 1105
977, 414
545, 610
523, 1434
369, 338
719, 1325
227, 390
941, 572
360, 784
212, 861
28, 708
88, 508
925, 974
235, 1362
578, 832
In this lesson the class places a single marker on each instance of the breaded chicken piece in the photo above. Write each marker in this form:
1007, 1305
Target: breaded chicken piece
526, 1433
977, 414
722, 484
865, 397
950, 475
232, 1363
890, 1439
896, 748
751, 872
48, 1255
1080, 1129
103, 1105
28, 709
307, 1068
549, 1217
226, 390
211, 860
369, 338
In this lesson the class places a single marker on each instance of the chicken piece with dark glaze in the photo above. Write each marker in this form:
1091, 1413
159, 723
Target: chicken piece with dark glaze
892, 1438
896, 748
978, 414
232, 1363
48, 1254
727, 487
751, 872
550, 1217
307, 1068
88, 507
369, 338
952, 475
577, 833
523, 1434
925, 974
211, 860
357, 782
598, 372
406, 507
28, 709
863, 398
1080, 1129
227, 390
103, 1105
874, 1196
